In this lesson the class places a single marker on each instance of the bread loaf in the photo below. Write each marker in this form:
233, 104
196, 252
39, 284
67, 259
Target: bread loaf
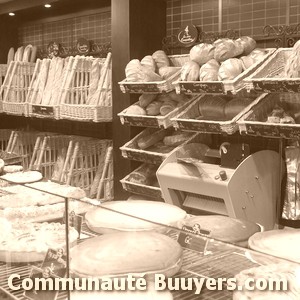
202, 53
149, 140
209, 71
33, 54
230, 69
247, 62
149, 62
27, 53
176, 140
167, 72
146, 99
135, 110
227, 49
190, 71
248, 44
153, 109
161, 59
235, 106
144, 175
212, 107
10, 55
178, 97
131, 70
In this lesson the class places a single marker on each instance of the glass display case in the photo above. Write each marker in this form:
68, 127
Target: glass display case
136, 244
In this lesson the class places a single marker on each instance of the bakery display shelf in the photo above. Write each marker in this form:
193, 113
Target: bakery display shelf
270, 77
220, 87
156, 87
191, 120
131, 150
254, 122
151, 121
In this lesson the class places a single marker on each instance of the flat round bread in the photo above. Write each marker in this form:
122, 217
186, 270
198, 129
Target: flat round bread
23, 177
102, 220
283, 271
225, 229
149, 294
120, 254
280, 243
29, 242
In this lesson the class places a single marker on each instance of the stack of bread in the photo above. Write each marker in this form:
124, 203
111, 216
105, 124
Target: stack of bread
157, 104
221, 107
225, 59
151, 68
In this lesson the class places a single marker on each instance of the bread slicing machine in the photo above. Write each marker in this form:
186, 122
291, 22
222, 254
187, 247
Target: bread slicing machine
248, 191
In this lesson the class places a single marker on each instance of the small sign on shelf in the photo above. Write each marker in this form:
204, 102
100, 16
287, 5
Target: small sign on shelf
195, 238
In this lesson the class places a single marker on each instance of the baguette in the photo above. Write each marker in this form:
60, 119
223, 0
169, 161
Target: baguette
33, 54
10, 55
27, 53
149, 140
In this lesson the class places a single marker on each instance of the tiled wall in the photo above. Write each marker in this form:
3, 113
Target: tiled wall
246, 16
96, 27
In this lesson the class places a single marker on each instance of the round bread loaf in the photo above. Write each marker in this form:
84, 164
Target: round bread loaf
120, 254
149, 294
280, 243
212, 107
235, 106
103, 220
225, 229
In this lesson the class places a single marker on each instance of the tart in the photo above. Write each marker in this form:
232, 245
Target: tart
225, 229
104, 220
29, 242
280, 243
123, 253
23, 177
282, 271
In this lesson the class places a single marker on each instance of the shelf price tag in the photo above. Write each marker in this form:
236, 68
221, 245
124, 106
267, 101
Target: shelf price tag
53, 266
74, 221
195, 238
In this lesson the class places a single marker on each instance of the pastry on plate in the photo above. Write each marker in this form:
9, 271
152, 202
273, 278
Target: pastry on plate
119, 254
110, 217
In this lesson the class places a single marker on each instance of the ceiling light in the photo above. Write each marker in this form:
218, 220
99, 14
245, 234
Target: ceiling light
47, 5
11, 14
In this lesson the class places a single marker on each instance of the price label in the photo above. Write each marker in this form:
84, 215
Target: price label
53, 266
43, 110
74, 221
195, 238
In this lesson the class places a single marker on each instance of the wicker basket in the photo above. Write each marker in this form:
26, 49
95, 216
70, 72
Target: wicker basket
81, 102
4, 138
38, 108
220, 87
15, 87
91, 168
270, 76
141, 189
190, 120
150, 155
20, 147
49, 156
254, 122
158, 86
151, 121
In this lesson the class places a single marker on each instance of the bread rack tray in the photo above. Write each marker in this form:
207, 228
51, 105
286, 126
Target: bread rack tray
269, 77
188, 120
151, 121
220, 87
253, 123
